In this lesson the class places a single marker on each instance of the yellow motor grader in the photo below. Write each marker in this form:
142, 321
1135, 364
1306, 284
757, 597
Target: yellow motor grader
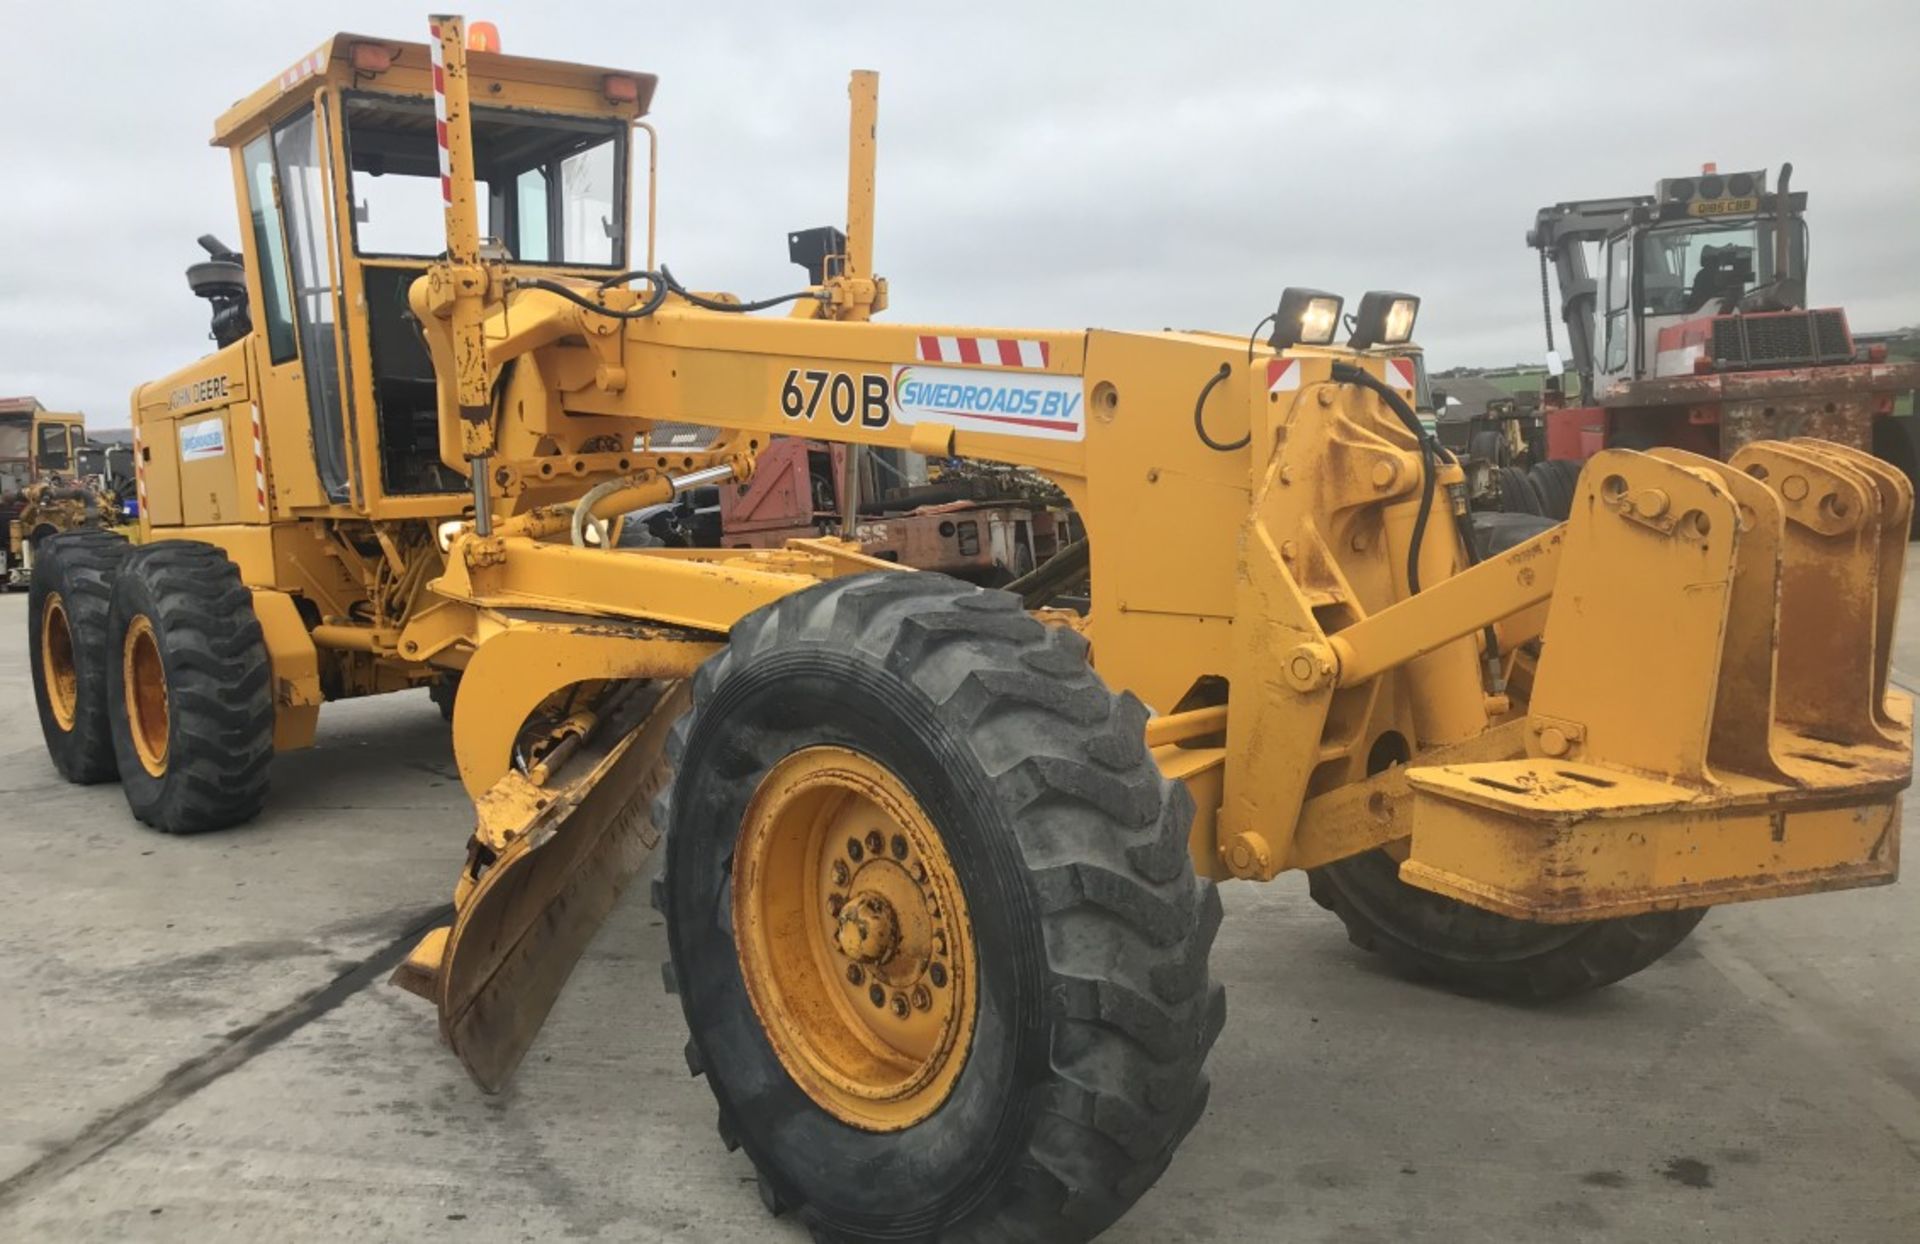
43, 487
940, 862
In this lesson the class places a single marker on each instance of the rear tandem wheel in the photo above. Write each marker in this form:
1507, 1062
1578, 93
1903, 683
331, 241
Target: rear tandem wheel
1463, 947
932, 919
67, 649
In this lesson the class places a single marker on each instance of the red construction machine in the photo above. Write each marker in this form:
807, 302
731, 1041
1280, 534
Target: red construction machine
1696, 333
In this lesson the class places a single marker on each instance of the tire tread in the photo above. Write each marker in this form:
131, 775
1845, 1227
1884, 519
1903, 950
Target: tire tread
1127, 924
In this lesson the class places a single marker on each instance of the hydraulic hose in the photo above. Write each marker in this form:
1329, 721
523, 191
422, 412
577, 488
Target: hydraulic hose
663, 283
715, 304
641, 312
1348, 373
1200, 415
1430, 453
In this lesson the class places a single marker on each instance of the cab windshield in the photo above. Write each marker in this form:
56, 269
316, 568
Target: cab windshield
1685, 268
14, 431
555, 187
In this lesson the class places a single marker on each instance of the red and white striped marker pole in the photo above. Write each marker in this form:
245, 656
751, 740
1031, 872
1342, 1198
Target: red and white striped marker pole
440, 107
472, 378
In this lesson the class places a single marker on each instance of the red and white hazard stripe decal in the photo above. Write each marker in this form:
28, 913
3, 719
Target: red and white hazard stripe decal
985, 351
259, 459
440, 111
1283, 374
293, 75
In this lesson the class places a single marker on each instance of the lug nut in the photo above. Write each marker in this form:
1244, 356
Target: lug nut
876, 995
938, 975
875, 843
840, 872
854, 974
921, 998
900, 1006
899, 846
854, 849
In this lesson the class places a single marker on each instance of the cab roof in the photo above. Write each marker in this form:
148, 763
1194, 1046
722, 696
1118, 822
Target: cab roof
369, 63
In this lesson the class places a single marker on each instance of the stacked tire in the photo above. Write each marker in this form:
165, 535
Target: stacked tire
1545, 489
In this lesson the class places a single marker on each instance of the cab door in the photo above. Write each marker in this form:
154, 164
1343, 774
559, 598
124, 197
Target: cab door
293, 280
1616, 332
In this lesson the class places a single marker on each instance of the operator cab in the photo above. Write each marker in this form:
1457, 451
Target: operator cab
35, 443
339, 170
1700, 248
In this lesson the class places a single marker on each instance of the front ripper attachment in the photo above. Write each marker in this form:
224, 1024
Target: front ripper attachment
547, 864
1711, 718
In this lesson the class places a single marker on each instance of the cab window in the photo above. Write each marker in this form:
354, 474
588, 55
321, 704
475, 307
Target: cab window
269, 247
1619, 317
554, 187
52, 450
301, 168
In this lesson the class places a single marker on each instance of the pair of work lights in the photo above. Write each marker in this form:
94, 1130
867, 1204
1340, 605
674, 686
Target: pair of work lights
1311, 317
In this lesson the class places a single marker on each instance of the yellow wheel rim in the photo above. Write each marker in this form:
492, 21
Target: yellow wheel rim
146, 694
56, 661
854, 939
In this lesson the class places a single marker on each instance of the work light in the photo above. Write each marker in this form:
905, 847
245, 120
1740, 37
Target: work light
1385, 318
1307, 317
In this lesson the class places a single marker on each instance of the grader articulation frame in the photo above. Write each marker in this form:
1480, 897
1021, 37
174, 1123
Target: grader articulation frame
938, 883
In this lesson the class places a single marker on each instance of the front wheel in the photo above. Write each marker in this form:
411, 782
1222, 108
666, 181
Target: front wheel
190, 686
932, 920
1463, 947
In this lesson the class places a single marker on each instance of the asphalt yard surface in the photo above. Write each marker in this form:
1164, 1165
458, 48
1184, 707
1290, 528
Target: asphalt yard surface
198, 1042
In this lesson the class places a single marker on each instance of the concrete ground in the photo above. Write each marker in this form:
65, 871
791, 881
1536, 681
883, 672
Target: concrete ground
197, 1042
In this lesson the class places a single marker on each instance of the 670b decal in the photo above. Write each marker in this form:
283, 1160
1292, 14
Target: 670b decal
1003, 402
845, 396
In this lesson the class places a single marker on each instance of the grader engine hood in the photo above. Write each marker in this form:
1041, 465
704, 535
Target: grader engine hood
1711, 719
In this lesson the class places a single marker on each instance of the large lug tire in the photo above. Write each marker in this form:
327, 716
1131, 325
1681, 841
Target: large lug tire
68, 650
1433, 937
1077, 932
191, 688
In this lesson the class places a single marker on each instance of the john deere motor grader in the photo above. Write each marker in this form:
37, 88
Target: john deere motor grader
939, 870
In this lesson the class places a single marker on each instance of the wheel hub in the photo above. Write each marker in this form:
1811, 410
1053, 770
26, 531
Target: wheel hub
868, 930
56, 661
145, 678
853, 939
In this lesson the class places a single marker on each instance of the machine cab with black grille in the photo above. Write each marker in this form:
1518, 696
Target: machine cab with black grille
1692, 326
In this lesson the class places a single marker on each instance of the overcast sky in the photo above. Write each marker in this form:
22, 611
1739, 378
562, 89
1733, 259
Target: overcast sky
1126, 165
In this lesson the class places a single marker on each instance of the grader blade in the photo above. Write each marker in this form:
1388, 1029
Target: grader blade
570, 849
